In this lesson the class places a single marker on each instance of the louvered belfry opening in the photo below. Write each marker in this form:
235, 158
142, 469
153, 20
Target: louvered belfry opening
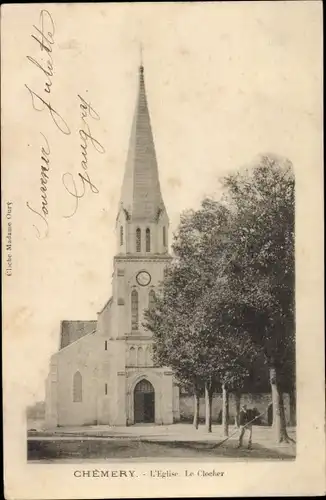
148, 240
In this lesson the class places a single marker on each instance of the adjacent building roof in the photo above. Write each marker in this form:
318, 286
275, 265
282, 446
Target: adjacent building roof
74, 330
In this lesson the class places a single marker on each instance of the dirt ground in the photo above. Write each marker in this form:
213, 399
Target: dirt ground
179, 441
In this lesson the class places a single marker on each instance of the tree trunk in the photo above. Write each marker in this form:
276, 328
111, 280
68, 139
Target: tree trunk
279, 424
196, 412
293, 410
237, 397
225, 410
208, 404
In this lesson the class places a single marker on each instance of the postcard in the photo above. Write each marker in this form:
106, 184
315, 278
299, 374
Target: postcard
162, 246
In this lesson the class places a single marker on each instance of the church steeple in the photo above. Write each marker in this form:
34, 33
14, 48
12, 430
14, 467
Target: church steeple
142, 219
141, 194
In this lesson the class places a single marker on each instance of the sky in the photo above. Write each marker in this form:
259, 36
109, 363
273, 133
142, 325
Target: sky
225, 82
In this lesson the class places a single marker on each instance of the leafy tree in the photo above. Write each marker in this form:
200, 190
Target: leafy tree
230, 291
262, 269
190, 321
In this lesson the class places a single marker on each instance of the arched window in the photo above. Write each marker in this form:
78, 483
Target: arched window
151, 299
134, 310
132, 356
148, 240
164, 236
77, 388
140, 357
121, 235
138, 240
146, 356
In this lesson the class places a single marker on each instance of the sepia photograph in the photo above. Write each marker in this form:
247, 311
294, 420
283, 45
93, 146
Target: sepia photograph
194, 352
161, 252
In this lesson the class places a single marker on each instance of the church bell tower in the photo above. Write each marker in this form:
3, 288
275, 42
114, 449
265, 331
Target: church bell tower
142, 227
104, 372
142, 222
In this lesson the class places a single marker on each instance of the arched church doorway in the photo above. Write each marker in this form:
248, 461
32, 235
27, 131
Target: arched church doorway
144, 402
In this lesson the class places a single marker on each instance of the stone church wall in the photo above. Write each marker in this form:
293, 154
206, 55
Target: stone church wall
259, 401
79, 357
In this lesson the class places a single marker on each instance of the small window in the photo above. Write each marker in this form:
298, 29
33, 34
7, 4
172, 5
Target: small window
106, 389
138, 240
121, 235
148, 240
77, 388
106, 345
164, 236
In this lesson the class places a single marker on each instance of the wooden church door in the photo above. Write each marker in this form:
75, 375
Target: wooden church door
144, 402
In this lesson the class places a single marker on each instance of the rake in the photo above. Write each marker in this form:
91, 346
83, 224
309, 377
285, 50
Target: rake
237, 430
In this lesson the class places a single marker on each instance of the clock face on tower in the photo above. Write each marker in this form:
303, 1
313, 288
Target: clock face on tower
143, 278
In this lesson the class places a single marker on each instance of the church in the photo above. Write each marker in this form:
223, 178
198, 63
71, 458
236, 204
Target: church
103, 373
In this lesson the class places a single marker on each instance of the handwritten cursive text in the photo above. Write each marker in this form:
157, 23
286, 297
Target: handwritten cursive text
87, 138
44, 36
43, 212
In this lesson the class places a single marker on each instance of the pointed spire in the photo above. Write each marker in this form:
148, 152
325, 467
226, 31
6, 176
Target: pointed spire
141, 65
141, 56
141, 194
